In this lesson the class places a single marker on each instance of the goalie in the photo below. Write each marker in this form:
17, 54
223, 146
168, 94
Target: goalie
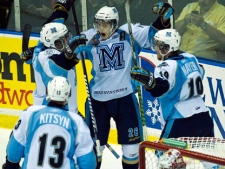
177, 82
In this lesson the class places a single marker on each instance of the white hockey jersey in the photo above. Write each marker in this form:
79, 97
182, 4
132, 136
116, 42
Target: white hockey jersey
50, 137
45, 69
183, 99
112, 60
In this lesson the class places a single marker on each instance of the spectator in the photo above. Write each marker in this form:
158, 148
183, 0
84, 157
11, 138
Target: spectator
5, 11
202, 26
49, 136
177, 82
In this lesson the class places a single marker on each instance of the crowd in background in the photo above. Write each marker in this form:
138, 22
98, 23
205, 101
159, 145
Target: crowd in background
35, 12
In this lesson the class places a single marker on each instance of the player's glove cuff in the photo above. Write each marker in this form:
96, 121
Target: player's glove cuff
160, 24
151, 82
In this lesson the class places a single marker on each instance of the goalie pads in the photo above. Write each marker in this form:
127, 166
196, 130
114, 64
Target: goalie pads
76, 45
142, 77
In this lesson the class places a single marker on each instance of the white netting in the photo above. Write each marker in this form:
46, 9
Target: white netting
208, 151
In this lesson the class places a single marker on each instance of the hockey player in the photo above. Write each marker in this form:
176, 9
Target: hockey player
55, 55
177, 82
50, 136
112, 94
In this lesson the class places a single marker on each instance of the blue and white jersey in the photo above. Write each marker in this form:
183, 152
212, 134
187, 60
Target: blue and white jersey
112, 60
48, 63
50, 137
184, 75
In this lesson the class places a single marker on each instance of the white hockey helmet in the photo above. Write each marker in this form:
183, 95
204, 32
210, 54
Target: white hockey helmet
58, 89
107, 14
51, 32
168, 38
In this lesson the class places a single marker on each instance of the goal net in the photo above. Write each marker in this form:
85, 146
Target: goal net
195, 153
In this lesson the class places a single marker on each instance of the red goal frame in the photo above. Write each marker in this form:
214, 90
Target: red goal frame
187, 153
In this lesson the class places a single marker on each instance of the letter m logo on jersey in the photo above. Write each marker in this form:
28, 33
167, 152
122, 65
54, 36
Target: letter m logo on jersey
111, 58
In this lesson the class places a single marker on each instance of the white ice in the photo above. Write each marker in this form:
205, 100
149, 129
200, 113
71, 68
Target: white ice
109, 161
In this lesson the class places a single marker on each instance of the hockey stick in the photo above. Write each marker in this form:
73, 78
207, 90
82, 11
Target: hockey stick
127, 9
88, 91
26, 36
107, 145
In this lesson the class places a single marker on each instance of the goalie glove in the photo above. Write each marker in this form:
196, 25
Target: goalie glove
27, 55
163, 9
142, 77
76, 45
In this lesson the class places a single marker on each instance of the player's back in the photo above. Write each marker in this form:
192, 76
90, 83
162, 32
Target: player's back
51, 137
184, 96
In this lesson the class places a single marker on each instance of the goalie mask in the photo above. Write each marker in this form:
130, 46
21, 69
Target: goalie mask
104, 17
55, 35
167, 39
58, 90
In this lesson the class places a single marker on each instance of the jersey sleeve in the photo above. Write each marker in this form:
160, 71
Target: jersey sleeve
17, 142
142, 34
166, 74
84, 145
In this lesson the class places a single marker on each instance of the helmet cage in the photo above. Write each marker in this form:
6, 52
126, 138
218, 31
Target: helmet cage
162, 45
62, 40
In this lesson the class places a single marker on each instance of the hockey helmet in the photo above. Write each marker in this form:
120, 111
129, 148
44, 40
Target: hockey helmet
58, 89
107, 14
52, 33
169, 39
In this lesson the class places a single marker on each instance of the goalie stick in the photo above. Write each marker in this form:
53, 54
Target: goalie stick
127, 9
88, 91
26, 36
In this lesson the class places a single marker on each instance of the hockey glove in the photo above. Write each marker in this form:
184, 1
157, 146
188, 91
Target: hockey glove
142, 77
27, 54
61, 9
76, 45
164, 9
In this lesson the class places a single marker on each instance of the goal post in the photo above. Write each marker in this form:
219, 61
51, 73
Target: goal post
202, 152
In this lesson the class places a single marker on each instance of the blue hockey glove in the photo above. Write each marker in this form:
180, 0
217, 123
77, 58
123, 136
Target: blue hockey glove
163, 9
142, 77
76, 45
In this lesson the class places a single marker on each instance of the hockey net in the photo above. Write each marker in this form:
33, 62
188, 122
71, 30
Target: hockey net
200, 153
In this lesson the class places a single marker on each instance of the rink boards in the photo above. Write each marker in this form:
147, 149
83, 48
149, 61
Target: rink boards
17, 83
